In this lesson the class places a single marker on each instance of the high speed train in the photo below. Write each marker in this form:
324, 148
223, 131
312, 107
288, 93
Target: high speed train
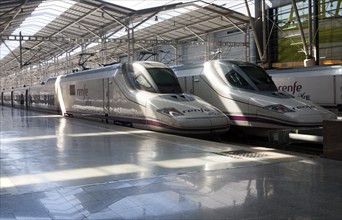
144, 95
319, 84
248, 96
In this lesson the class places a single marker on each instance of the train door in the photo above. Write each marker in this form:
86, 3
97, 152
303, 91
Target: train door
187, 83
106, 97
12, 104
26, 99
191, 79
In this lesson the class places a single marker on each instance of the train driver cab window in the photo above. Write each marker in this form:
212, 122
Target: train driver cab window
259, 77
165, 80
228, 73
235, 79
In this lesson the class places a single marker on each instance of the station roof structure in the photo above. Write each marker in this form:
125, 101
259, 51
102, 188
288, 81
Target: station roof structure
36, 31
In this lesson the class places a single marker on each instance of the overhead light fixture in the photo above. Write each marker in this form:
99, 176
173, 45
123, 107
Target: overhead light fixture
156, 18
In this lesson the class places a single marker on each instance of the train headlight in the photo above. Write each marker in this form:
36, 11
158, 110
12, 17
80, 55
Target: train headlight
278, 108
170, 111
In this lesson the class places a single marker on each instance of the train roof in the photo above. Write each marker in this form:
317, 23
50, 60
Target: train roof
309, 71
212, 61
51, 80
101, 72
237, 62
200, 65
105, 72
151, 64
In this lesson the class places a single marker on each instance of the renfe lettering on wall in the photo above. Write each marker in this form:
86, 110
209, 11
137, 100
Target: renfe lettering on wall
82, 92
292, 89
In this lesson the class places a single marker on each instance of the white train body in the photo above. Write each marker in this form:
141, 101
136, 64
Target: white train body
43, 97
320, 84
139, 94
248, 96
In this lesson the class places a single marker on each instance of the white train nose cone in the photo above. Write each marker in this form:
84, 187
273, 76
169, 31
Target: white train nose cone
189, 112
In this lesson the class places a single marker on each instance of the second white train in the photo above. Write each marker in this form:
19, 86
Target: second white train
248, 96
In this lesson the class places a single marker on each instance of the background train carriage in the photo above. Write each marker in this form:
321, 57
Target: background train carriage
43, 97
39, 97
15, 97
20, 97
319, 84
6, 97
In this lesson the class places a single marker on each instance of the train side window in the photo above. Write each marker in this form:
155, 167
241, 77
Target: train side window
72, 90
143, 83
140, 80
125, 68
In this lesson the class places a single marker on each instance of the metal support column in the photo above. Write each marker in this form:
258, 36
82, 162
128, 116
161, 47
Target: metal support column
300, 27
310, 26
255, 35
130, 44
247, 41
103, 49
20, 51
264, 31
316, 30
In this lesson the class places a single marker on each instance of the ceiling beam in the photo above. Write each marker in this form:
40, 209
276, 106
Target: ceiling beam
199, 37
14, 16
230, 21
10, 50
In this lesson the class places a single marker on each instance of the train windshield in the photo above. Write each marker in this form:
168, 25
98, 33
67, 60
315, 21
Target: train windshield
248, 76
259, 77
165, 80
152, 77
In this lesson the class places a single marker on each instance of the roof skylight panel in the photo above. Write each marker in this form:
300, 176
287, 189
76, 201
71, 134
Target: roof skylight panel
46, 12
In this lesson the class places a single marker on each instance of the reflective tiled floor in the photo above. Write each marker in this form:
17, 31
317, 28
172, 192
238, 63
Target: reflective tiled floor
65, 168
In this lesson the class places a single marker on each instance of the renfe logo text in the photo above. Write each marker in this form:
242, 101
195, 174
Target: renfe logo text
82, 92
291, 88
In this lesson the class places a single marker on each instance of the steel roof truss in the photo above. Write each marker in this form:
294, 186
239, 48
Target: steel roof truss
199, 37
96, 35
15, 56
230, 21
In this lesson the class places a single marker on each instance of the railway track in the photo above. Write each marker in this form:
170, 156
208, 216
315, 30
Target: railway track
255, 141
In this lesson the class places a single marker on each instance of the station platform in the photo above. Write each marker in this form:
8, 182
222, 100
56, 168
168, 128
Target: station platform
54, 167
